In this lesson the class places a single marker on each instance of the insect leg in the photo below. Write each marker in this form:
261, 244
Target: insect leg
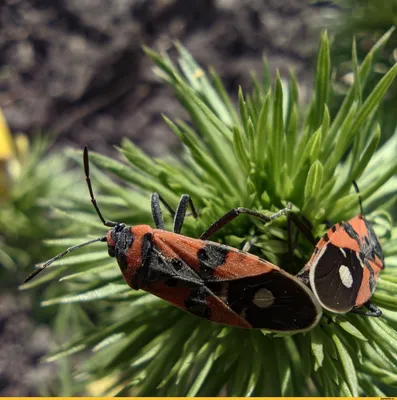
302, 227
373, 311
234, 213
180, 213
167, 206
291, 241
156, 211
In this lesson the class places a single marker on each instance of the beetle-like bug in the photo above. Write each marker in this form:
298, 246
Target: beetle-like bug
204, 278
345, 266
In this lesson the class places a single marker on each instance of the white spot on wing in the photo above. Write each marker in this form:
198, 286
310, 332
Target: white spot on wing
342, 251
345, 276
263, 298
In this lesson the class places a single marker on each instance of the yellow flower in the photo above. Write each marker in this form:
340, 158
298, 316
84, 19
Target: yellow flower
6, 149
13, 153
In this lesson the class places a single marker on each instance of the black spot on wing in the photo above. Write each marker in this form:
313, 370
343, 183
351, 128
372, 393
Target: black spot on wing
331, 291
326, 237
196, 303
351, 232
372, 280
293, 308
177, 264
173, 272
180, 273
373, 247
147, 256
210, 257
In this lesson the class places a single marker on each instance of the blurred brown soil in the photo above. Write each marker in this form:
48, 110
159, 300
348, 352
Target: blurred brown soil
75, 68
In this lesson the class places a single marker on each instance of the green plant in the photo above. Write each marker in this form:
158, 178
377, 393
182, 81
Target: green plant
261, 156
30, 182
367, 21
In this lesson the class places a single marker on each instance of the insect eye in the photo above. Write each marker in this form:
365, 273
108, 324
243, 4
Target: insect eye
119, 227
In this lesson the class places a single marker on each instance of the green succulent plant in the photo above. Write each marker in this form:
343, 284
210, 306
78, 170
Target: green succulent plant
367, 21
260, 156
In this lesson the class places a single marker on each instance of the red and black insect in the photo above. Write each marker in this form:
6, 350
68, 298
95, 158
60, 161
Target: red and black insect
345, 266
207, 279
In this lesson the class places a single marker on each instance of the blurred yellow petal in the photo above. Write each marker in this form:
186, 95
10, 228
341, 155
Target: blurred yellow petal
6, 150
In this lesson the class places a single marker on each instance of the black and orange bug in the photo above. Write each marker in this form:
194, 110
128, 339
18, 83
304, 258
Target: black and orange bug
345, 266
204, 278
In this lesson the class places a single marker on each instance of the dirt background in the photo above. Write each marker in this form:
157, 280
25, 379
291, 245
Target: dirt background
74, 69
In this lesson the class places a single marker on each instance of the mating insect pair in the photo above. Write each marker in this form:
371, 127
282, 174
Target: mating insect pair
345, 265
231, 287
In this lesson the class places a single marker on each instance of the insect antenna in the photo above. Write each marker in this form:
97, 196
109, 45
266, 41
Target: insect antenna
42, 266
359, 197
88, 180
